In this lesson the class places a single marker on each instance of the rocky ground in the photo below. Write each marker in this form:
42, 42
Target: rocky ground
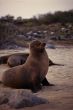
60, 96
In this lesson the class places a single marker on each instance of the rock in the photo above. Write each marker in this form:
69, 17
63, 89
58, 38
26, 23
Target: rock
20, 98
4, 96
51, 46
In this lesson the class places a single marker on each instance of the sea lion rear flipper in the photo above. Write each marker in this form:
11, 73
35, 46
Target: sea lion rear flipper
46, 83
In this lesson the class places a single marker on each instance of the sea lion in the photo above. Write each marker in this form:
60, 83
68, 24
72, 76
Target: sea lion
31, 74
18, 59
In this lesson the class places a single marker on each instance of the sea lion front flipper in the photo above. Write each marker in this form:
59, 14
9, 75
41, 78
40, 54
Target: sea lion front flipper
36, 89
46, 83
36, 86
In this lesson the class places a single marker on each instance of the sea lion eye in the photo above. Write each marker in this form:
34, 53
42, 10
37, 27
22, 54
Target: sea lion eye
39, 44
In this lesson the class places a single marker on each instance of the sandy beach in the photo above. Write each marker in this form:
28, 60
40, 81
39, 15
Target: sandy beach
60, 96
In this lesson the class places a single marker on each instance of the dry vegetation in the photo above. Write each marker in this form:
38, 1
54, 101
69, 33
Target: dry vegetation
18, 32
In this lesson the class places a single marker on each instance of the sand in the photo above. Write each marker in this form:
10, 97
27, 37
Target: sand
60, 96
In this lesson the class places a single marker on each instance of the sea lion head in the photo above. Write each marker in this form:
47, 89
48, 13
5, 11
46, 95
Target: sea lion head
37, 46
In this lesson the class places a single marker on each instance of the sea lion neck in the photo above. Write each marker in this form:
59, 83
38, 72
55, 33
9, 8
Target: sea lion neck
36, 54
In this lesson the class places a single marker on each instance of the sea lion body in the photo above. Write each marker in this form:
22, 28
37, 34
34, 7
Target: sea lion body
32, 72
17, 59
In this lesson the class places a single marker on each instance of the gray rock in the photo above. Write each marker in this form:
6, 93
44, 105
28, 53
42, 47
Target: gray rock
4, 96
23, 98
51, 46
20, 98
